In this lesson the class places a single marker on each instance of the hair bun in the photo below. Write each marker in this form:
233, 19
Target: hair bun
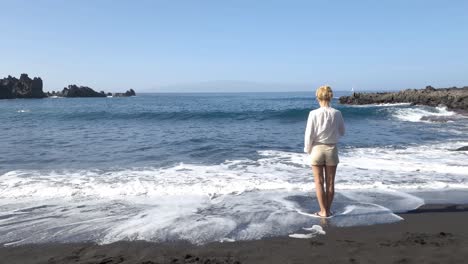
324, 93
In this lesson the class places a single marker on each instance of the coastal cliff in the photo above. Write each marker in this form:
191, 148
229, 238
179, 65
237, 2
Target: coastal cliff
453, 98
24, 87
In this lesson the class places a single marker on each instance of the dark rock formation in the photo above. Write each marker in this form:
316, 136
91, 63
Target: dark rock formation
23, 87
130, 92
465, 148
79, 91
454, 98
439, 119
83, 91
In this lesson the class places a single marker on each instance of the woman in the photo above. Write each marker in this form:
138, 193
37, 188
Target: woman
325, 126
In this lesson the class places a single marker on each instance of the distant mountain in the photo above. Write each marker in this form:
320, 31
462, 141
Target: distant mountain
232, 86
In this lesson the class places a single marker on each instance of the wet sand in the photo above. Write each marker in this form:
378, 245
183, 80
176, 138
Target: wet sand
430, 234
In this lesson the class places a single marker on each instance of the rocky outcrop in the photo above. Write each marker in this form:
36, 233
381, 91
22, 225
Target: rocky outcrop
465, 148
130, 92
453, 98
24, 87
79, 91
83, 91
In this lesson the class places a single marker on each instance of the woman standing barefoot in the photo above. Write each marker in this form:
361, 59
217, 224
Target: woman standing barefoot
325, 126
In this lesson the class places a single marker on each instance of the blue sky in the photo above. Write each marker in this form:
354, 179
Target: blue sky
236, 45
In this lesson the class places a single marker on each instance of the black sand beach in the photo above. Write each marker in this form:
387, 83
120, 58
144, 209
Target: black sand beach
430, 234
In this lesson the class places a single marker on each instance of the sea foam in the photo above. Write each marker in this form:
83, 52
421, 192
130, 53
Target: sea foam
425, 114
234, 200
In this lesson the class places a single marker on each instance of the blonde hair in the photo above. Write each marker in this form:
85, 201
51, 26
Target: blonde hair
324, 93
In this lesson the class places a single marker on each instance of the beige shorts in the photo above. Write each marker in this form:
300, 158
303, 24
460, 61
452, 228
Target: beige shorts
323, 154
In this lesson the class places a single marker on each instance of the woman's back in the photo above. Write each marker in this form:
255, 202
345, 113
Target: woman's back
325, 125
328, 125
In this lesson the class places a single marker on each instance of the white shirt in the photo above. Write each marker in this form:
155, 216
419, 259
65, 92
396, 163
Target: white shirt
325, 125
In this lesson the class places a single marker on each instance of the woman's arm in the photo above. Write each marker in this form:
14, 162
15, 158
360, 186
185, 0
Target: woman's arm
341, 126
308, 135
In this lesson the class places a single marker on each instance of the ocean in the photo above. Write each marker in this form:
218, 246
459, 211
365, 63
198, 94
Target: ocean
207, 167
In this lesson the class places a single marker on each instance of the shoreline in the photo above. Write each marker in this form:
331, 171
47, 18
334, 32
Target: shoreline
453, 98
432, 233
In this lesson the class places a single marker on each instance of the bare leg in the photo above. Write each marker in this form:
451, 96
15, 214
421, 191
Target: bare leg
321, 197
330, 172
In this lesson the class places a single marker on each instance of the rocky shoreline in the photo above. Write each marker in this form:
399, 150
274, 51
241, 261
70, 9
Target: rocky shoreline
453, 98
25, 87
